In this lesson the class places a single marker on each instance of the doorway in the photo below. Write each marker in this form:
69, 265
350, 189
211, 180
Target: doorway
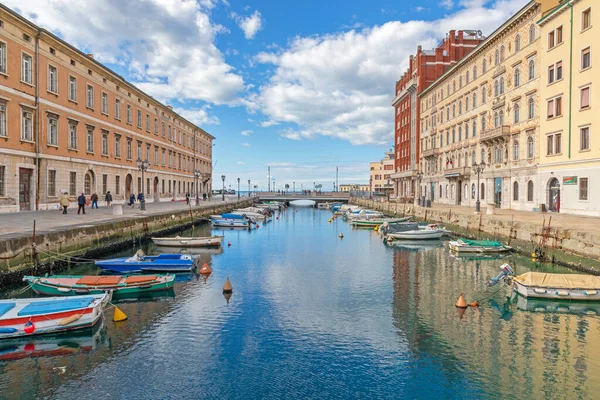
554, 195
25, 175
498, 192
458, 192
156, 194
128, 182
432, 191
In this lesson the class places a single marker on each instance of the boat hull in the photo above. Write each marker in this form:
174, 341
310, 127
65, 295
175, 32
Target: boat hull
374, 222
231, 223
160, 263
420, 234
214, 241
538, 292
460, 248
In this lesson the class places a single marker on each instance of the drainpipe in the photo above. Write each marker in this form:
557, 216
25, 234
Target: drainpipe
570, 75
37, 119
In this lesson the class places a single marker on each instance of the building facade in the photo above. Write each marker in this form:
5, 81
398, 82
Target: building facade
380, 173
423, 68
484, 110
569, 154
354, 187
69, 124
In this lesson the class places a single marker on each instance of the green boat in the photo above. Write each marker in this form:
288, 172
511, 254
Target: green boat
371, 223
119, 285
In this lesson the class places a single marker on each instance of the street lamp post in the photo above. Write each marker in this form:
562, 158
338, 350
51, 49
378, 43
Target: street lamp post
421, 199
143, 166
238, 188
223, 192
197, 177
294, 186
478, 169
249, 188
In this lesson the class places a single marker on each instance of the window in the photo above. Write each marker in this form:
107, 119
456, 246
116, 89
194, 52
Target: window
129, 115
3, 57
584, 138
139, 150
496, 87
482, 155
530, 147
26, 68
517, 115
89, 100
531, 107
502, 51
555, 72
139, 119
147, 122
482, 192
90, 140
584, 97
162, 129
163, 156
3, 128
483, 94
516, 150
473, 191
474, 99
497, 57
104, 103
87, 184
586, 60
483, 123
468, 77
117, 184
530, 191
52, 79
531, 33
517, 43
72, 183
51, 182
474, 128
583, 188
117, 109
517, 77
52, 130
117, 146
26, 126
156, 155
484, 66
73, 135
467, 103
531, 70
555, 107
553, 144
129, 149
156, 126
515, 191
104, 143
586, 19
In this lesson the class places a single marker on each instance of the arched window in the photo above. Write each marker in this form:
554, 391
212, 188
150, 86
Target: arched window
473, 158
502, 85
87, 184
453, 110
496, 87
517, 77
467, 103
452, 191
466, 159
467, 130
516, 191
459, 107
484, 66
501, 53
460, 82
497, 57
530, 191
440, 191
474, 99
482, 155
483, 123
447, 113
466, 192
483, 94
459, 133
482, 193
530, 149
473, 191
531, 69
453, 135
496, 120
475, 72
517, 43
459, 160
531, 106
531, 33
474, 128
442, 93
468, 77
501, 115
516, 150
447, 138
517, 113
446, 191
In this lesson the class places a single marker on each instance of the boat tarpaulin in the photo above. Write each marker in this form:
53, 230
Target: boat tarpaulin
483, 243
562, 281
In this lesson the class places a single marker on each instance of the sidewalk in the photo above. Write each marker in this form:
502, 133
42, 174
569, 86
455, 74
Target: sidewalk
21, 223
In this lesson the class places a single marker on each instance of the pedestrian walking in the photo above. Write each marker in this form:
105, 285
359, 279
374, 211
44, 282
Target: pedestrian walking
108, 199
94, 200
132, 200
64, 202
187, 198
81, 204
140, 198
204, 196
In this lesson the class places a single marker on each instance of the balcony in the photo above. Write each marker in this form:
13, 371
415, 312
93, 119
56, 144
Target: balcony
403, 174
431, 153
457, 173
496, 133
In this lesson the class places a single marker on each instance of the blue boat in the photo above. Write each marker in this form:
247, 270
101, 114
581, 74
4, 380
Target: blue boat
142, 263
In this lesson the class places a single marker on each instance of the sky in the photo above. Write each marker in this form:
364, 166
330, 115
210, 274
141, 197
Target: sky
302, 86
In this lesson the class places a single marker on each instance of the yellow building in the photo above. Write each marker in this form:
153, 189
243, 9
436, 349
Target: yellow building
484, 110
354, 187
380, 173
569, 156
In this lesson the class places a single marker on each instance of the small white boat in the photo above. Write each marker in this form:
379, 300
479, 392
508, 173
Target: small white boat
417, 234
252, 215
177, 241
231, 223
302, 203
557, 286
37, 316
477, 246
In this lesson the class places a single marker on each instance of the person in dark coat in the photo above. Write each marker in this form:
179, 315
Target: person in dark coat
187, 198
81, 204
108, 198
94, 200
140, 197
132, 200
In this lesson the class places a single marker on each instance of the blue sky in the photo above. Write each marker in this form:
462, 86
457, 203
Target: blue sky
303, 86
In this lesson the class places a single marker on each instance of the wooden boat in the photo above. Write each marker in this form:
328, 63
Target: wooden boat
417, 234
142, 263
178, 241
25, 317
557, 286
68, 285
371, 223
231, 223
477, 246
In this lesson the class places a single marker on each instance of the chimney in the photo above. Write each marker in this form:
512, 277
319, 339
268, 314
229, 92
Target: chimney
90, 55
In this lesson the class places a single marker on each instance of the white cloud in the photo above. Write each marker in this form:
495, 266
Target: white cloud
241, 163
198, 116
448, 4
168, 46
246, 144
250, 24
246, 133
341, 85
419, 9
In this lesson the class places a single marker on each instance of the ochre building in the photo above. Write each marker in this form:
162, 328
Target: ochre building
69, 124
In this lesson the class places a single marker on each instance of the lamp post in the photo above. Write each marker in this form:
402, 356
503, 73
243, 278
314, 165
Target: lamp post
249, 188
223, 192
478, 169
143, 166
238, 188
370, 187
197, 177
294, 186
421, 200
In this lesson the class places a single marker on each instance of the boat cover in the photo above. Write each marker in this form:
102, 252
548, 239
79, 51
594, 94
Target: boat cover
90, 280
483, 243
402, 227
232, 216
130, 280
562, 281
5, 307
54, 306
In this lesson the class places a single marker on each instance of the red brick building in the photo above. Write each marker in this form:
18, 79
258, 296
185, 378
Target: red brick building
424, 68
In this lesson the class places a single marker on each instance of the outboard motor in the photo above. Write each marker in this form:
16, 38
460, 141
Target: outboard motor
507, 272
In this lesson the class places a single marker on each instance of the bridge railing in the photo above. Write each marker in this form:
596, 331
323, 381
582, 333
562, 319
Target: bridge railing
305, 195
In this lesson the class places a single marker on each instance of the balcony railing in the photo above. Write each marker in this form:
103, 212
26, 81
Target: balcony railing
431, 153
496, 133
457, 172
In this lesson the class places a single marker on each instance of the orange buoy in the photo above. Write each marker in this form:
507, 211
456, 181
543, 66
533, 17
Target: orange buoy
461, 303
257, 226
228, 244
205, 269
474, 304
227, 288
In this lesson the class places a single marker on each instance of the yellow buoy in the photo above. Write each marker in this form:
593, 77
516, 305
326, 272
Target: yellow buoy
119, 315
376, 229
227, 288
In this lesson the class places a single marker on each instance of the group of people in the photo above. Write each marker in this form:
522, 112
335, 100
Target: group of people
82, 201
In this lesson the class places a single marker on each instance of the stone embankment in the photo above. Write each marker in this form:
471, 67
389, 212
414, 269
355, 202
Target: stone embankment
566, 242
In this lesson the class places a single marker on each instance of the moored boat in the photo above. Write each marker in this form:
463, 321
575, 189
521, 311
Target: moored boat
416, 233
477, 246
142, 263
557, 286
37, 316
70, 285
302, 203
231, 223
178, 241
370, 223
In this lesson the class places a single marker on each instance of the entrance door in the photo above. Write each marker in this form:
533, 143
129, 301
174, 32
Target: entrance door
25, 175
432, 191
554, 195
156, 194
458, 192
498, 192
128, 182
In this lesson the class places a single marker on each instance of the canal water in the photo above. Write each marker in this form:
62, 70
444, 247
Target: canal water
316, 316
